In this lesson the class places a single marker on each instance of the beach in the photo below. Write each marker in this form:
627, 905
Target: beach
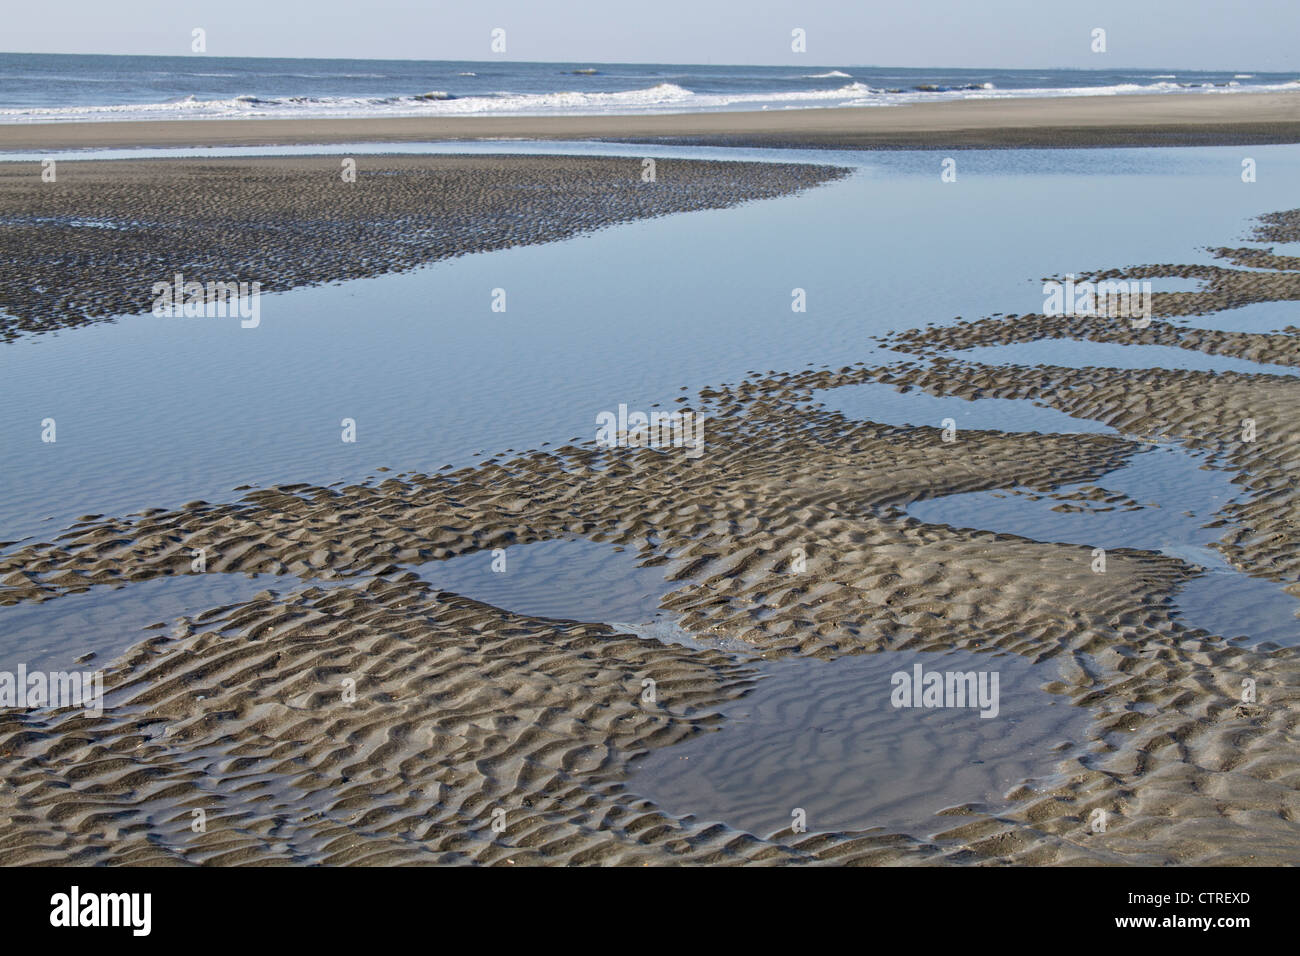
1075, 122
707, 669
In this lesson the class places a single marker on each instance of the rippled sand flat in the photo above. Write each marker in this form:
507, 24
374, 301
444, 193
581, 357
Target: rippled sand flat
381, 711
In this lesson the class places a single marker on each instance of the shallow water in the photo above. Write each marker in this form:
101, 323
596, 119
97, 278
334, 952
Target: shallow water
884, 403
106, 621
1257, 317
574, 579
1069, 353
1249, 610
826, 738
1171, 496
155, 412
571, 580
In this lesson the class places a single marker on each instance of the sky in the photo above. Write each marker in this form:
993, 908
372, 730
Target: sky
1004, 34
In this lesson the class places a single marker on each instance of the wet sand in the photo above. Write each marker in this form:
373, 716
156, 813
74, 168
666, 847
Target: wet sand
787, 539
1075, 122
92, 244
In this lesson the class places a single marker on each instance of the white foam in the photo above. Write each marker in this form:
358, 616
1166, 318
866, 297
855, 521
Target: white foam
662, 97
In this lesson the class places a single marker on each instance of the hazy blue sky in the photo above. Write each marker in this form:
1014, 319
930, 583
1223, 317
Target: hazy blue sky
1188, 34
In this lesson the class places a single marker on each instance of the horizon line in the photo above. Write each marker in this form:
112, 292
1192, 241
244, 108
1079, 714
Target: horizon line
506, 59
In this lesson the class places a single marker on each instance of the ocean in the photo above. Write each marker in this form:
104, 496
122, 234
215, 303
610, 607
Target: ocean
63, 87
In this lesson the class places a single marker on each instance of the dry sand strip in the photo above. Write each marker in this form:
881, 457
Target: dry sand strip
288, 222
1085, 121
